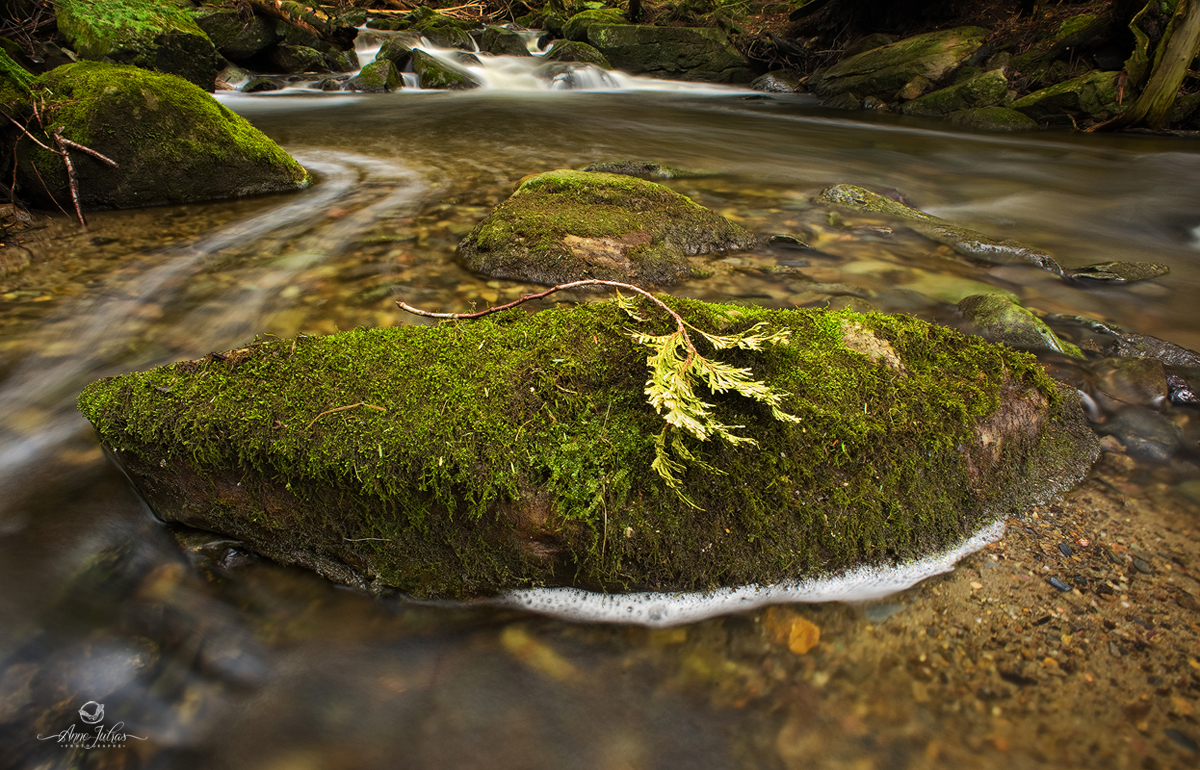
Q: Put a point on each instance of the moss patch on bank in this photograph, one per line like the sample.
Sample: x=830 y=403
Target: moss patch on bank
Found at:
x=174 y=142
x=516 y=450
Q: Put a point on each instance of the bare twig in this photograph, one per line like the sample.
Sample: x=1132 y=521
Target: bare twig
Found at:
x=72 y=180
x=76 y=145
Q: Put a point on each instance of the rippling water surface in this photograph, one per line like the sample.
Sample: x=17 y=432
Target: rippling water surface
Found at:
x=219 y=659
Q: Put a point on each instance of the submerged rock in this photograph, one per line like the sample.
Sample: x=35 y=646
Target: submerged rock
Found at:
x=677 y=53
x=643 y=169
x=145 y=33
x=999 y=319
x=1119 y=272
x=882 y=72
x=969 y=243
x=464 y=459
x=568 y=225
x=174 y=143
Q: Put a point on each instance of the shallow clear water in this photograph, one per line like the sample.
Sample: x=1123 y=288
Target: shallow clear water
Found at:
x=216 y=657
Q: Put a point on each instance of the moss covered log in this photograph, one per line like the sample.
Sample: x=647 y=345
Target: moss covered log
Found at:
x=515 y=451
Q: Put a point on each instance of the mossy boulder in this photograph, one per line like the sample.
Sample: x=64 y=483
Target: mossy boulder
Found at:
x=376 y=78
x=160 y=35
x=236 y=37
x=398 y=49
x=993 y=119
x=574 y=51
x=433 y=73
x=1093 y=96
x=568 y=225
x=499 y=41
x=987 y=89
x=883 y=71
x=15 y=81
x=295 y=59
x=676 y=53
x=999 y=319
x=967 y=242
x=576 y=27
x=174 y=142
x=515 y=451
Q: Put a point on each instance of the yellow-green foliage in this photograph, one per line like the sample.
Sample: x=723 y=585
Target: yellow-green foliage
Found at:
x=518 y=408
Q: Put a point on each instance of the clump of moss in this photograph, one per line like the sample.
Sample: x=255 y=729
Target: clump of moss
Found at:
x=568 y=225
x=516 y=450
x=174 y=143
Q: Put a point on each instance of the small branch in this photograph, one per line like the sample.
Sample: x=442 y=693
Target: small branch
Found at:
x=62 y=140
x=344 y=408
x=72 y=181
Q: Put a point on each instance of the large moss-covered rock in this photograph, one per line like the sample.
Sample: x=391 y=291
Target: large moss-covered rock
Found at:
x=882 y=72
x=573 y=51
x=237 y=37
x=155 y=34
x=174 y=143
x=992 y=119
x=295 y=59
x=969 y=243
x=1093 y=95
x=987 y=89
x=576 y=27
x=376 y=78
x=15 y=81
x=499 y=41
x=568 y=225
x=677 y=53
x=515 y=451
x=432 y=73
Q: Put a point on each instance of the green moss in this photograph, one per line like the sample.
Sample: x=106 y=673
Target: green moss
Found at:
x=15 y=82
x=883 y=71
x=1001 y=319
x=567 y=225
x=433 y=74
x=516 y=450
x=149 y=123
x=984 y=90
x=576 y=27
x=1093 y=95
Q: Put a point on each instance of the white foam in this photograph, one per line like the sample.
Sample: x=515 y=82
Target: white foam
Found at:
x=671 y=609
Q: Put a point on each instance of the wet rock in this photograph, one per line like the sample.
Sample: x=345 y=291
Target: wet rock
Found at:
x=572 y=75
x=236 y=37
x=296 y=59
x=479 y=464
x=499 y=41
x=867 y=43
x=779 y=82
x=147 y=122
x=882 y=72
x=260 y=83
x=1119 y=272
x=1181 y=391
x=986 y=90
x=230 y=78
x=432 y=73
x=398 y=49
x=915 y=88
x=574 y=51
x=999 y=319
x=992 y=119
x=643 y=169
x=377 y=77
x=677 y=53
x=1059 y=585
x=342 y=61
x=330 y=84
x=1130 y=345
x=969 y=243
x=1139 y=381
x=1093 y=96
x=576 y=28
x=1146 y=434
x=568 y=225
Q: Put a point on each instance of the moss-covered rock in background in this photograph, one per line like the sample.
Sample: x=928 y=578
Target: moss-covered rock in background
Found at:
x=499 y=41
x=882 y=72
x=987 y=89
x=376 y=78
x=992 y=119
x=999 y=319
x=154 y=34
x=295 y=59
x=573 y=51
x=576 y=27
x=236 y=37
x=174 y=143
x=1093 y=96
x=398 y=49
x=515 y=451
x=677 y=53
x=568 y=225
x=433 y=73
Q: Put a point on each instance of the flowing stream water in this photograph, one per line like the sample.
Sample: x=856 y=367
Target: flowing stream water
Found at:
x=215 y=657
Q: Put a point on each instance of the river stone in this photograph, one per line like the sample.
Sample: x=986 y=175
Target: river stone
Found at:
x=499 y=41
x=260 y=83
x=398 y=49
x=969 y=243
x=992 y=119
x=162 y=36
x=174 y=143
x=882 y=72
x=1146 y=434
x=676 y=53
x=1119 y=272
x=376 y=78
x=574 y=51
x=342 y=61
x=984 y=90
x=296 y=59
x=778 y=82
x=434 y=74
x=235 y=37
x=999 y=319
x=643 y=169
x=576 y=27
x=515 y=451
x=568 y=225
x=1138 y=381
x=1093 y=95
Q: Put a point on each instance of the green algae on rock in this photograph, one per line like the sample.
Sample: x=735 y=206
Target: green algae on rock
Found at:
x=1000 y=319
x=969 y=243
x=174 y=142
x=992 y=119
x=568 y=225
x=472 y=457
x=984 y=90
x=377 y=77
x=432 y=73
x=160 y=35
x=1094 y=96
